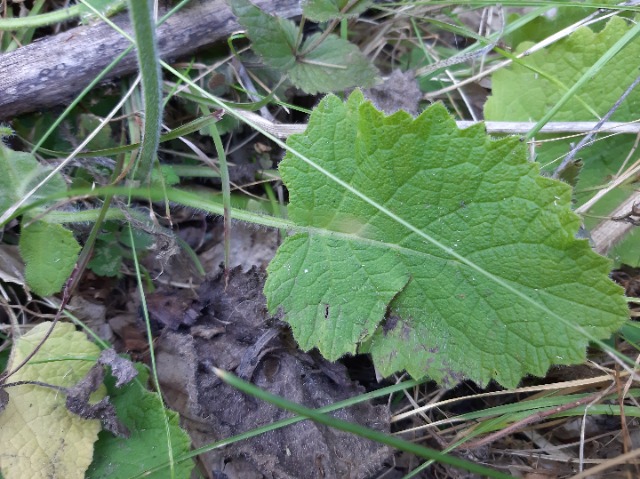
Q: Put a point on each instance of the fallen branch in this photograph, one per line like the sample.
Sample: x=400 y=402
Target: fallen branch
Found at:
x=52 y=71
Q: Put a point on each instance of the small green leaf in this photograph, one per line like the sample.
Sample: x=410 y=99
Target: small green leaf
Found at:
x=274 y=38
x=332 y=65
x=107 y=259
x=324 y=10
x=498 y=288
x=88 y=122
x=143 y=414
x=50 y=252
x=40 y=438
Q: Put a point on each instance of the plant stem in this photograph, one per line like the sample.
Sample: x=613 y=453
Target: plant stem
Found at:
x=144 y=28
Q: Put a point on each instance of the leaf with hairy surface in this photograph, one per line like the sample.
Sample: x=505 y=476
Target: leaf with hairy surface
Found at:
x=461 y=262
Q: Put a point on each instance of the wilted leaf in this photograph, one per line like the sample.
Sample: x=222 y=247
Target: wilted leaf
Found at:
x=332 y=65
x=122 y=369
x=507 y=292
x=50 y=251
x=565 y=62
x=323 y=10
x=40 y=438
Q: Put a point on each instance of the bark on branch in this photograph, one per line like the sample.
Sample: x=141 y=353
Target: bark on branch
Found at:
x=52 y=71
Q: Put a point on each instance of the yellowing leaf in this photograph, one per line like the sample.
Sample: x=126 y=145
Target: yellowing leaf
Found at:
x=40 y=438
x=485 y=279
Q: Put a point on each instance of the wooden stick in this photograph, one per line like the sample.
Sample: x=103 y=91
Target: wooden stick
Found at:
x=52 y=71
x=283 y=130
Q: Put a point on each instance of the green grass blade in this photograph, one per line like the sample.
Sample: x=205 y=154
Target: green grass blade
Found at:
x=361 y=431
x=590 y=73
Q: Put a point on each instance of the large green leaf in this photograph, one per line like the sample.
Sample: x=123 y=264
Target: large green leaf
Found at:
x=563 y=64
x=318 y=65
x=484 y=281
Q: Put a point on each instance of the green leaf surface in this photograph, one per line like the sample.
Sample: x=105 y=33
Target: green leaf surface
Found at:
x=565 y=62
x=331 y=65
x=489 y=282
x=20 y=173
x=324 y=10
x=40 y=438
x=558 y=17
x=143 y=414
x=274 y=38
x=334 y=65
x=50 y=252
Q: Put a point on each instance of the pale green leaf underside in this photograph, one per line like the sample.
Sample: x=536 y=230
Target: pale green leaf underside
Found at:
x=20 y=173
x=477 y=196
x=332 y=65
x=50 y=251
x=566 y=61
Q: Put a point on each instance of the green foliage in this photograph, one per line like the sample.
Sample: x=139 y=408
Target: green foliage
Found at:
x=564 y=63
x=114 y=245
x=40 y=437
x=316 y=65
x=144 y=415
x=88 y=122
x=324 y=10
x=50 y=251
x=105 y=7
x=558 y=17
x=487 y=282
x=20 y=173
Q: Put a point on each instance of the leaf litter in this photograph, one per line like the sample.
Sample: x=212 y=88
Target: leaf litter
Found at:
x=234 y=332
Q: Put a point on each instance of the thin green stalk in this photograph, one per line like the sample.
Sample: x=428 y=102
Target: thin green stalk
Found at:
x=187 y=128
x=42 y=20
x=152 y=356
x=24 y=36
x=357 y=429
x=95 y=82
x=144 y=27
x=519 y=3
x=226 y=191
x=87 y=249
